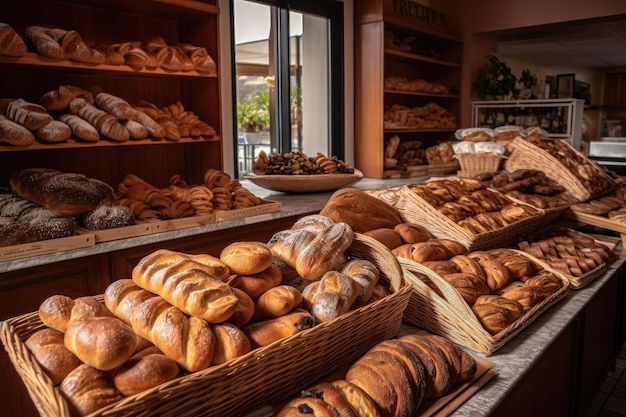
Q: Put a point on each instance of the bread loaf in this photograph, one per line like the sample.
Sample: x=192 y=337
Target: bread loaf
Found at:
x=332 y=396
x=59 y=311
x=54 y=132
x=40 y=39
x=67 y=193
x=114 y=105
x=247 y=258
x=11 y=43
x=230 y=342
x=144 y=370
x=30 y=115
x=80 y=128
x=244 y=310
x=200 y=58
x=152 y=126
x=76 y=49
x=111 y=56
x=107 y=216
x=331 y=296
x=437 y=373
x=387 y=236
x=107 y=124
x=188 y=340
x=135 y=129
x=496 y=313
x=87 y=389
x=265 y=332
x=14 y=133
x=191 y=283
x=360 y=402
x=361 y=211
x=366 y=275
x=276 y=302
x=55 y=359
x=60 y=98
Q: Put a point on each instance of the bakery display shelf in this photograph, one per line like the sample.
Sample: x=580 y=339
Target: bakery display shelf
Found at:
x=408 y=56
x=420 y=93
x=139 y=229
x=266 y=206
x=42 y=247
x=262 y=377
x=417 y=130
x=436 y=305
x=166 y=8
x=34 y=60
x=75 y=143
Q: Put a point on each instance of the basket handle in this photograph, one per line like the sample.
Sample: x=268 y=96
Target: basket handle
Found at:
x=366 y=247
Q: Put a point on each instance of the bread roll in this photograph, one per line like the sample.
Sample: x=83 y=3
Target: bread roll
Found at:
x=307 y=406
x=67 y=193
x=361 y=211
x=360 y=402
x=55 y=359
x=114 y=105
x=230 y=342
x=256 y=284
x=87 y=389
x=247 y=258
x=366 y=275
x=59 y=311
x=496 y=313
x=387 y=236
x=276 y=302
x=187 y=282
x=330 y=297
x=332 y=396
x=143 y=371
x=41 y=41
x=412 y=233
x=244 y=310
x=520 y=292
x=325 y=251
x=469 y=286
x=265 y=332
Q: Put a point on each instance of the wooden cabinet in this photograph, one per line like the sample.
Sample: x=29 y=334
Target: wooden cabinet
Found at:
x=110 y=22
x=406 y=59
x=614 y=89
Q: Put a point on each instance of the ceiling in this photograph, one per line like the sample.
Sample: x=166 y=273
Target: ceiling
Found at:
x=590 y=45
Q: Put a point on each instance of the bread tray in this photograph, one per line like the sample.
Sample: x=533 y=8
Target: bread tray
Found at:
x=265 y=207
x=139 y=229
x=446 y=313
x=42 y=247
x=305 y=183
x=265 y=376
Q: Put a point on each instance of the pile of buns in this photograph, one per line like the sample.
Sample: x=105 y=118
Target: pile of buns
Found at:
x=393 y=378
x=418 y=85
x=428 y=116
x=182 y=313
x=567 y=251
x=470 y=205
x=90 y=115
x=178 y=200
x=611 y=205
x=530 y=186
x=58 y=43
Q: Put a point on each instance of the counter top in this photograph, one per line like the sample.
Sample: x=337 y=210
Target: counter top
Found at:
x=291 y=205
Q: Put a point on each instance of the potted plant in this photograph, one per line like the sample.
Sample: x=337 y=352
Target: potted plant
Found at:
x=528 y=82
x=495 y=80
x=253 y=115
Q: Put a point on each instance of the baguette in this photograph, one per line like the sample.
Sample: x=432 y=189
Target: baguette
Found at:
x=107 y=124
x=187 y=340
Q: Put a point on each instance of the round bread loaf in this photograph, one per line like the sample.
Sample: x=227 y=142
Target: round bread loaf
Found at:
x=246 y=258
x=108 y=216
x=101 y=342
x=230 y=342
x=361 y=211
x=55 y=359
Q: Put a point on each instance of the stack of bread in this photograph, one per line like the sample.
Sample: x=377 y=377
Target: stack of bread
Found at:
x=428 y=116
x=182 y=313
x=393 y=378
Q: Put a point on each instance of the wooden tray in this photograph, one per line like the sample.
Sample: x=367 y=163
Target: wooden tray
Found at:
x=42 y=247
x=105 y=235
x=305 y=183
x=265 y=207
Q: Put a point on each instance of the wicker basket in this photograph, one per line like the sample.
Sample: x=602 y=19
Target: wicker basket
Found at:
x=260 y=378
x=473 y=164
x=437 y=306
x=414 y=209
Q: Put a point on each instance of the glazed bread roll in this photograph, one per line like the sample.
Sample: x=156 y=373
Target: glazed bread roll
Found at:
x=256 y=284
x=101 y=342
x=187 y=282
x=67 y=193
x=188 y=340
x=331 y=296
x=87 y=389
x=265 y=332
x=230 y=342
x=361 y=211
x=247 y=258
x=50 y=352
x=276 y=302
x=366 y=275
x=146 y=369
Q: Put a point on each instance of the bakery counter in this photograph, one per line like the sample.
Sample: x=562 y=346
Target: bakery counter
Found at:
x=292 y=205
x=556 y=365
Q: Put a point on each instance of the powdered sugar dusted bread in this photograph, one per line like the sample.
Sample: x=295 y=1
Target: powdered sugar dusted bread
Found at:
x=108 y=216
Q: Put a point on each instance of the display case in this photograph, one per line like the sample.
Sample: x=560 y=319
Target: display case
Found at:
x=108 y=23
x=407 y=72
x=561 y=118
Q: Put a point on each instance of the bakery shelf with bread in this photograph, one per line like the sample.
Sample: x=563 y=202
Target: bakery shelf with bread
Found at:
x=276 y=365
x=480 y=299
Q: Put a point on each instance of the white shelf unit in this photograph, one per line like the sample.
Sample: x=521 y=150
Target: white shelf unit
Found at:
x=527 y=113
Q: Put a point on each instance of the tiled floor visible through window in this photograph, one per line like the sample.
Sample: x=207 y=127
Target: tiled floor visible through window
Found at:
x=611 y=399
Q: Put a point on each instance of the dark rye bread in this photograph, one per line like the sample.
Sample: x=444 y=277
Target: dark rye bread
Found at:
x=360 y=210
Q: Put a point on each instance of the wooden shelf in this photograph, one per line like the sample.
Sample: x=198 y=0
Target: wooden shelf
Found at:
x=424 y=94
x=409 y=129
x=420 y=58
x=181 y=8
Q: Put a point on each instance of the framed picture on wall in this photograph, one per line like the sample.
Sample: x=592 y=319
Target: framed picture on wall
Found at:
x=565 y=85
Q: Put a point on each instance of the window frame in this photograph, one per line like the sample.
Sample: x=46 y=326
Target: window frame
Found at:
x=333 y=11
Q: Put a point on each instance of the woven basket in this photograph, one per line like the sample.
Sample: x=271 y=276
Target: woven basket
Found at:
x=525 y=155
x=263 y=377
x=437 y=306
x=472 y=164
x=414 y=209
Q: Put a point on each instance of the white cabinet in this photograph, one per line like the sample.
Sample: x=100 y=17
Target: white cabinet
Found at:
x=561 y=118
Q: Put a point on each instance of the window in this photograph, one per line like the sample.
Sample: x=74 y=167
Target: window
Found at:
x=288 y=81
